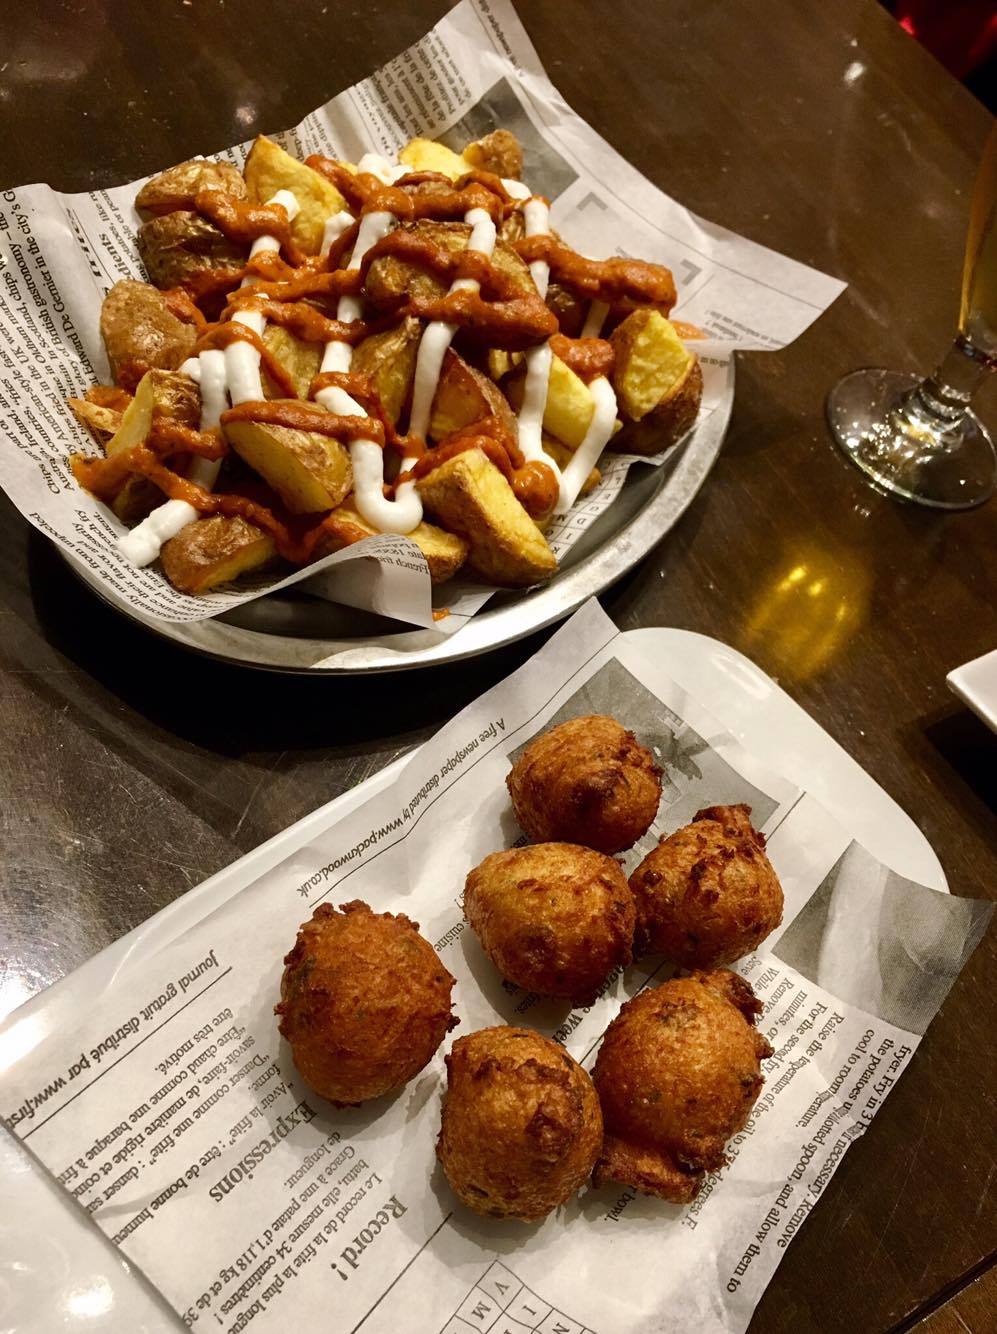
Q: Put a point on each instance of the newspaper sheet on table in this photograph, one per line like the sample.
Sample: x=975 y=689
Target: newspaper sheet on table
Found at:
x=60 y=253
x=173 y=1114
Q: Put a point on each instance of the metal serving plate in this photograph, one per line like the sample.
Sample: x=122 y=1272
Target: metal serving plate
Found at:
x=296 y=632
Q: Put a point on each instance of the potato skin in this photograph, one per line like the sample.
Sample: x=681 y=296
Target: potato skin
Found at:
x=365 y=1002
x=463 y=396
x=311 y=472
x=445 y=552
x=391 y=280
x=677 y=1075
x=469 y=496
x=388 y=360
x=141 y=332
x=666 y=424
x=554 y=918
x=521 y=1126
x=137 y=498
x=175 y=246
x=177 y=187
x=301 y=361
x=707 y=894
x=569 y=309
x=214 y=550
x=586 y=781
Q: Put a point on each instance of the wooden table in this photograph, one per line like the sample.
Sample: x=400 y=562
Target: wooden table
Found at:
x=131 y=770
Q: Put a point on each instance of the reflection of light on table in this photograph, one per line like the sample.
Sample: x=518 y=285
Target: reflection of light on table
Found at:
x=805 y=614
x=95 y=1299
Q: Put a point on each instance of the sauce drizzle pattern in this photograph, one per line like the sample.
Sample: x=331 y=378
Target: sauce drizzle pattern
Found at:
x=282 y=285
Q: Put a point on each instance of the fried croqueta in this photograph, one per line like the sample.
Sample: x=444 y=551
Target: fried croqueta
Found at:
x=707 y=894
x=677 y=1075
x=521 y=1124
x=554 y=918
x=587 y=781
x=365 y=1002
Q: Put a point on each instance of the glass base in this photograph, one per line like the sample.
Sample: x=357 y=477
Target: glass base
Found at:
x=906 y=451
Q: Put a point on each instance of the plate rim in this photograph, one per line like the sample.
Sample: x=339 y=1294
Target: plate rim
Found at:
x=599 y=571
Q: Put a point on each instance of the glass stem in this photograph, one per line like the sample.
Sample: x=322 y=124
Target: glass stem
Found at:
x=944 y=398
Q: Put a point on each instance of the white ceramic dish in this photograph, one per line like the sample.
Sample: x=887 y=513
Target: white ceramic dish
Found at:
x=58 y=1272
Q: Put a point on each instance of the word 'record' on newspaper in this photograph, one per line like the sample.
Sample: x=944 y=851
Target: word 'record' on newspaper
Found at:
x=173 y=1114
x=476 y=71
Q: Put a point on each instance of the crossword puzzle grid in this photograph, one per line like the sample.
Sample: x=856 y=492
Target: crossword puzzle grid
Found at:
x=500 y=1304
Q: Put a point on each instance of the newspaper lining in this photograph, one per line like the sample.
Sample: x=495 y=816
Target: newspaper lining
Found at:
x=173 y=1115
x=476 y=70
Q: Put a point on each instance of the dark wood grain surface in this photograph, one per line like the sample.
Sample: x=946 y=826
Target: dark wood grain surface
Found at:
x=131 y=770
x=969 y=1311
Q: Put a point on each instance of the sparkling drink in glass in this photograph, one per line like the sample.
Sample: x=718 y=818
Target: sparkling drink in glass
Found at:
x=918 y=438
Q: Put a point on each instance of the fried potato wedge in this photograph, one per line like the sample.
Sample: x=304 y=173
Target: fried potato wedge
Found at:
x=137 y=498
x=501 y=363
x=141 y=332
x=463 y=396
x=512 y=228
x=650 y=360
x=213 y=551
x=666 y=423
x=569 y=405
x=109 y=396
x=159 y=394
x=269 y=169
x=310 y=472
x=299 y=358
x=570 y=309
x=391 y=280
x=100 y=421
x=445 y=552
x=658 y=382
x=177 y=187
x=388 y=361
x=500 y=152
x=468 y=495
x=561 y=455
x=428 y=155
x=177 y=245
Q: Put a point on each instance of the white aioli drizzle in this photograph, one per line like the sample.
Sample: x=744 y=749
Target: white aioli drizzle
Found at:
x=600 y=428
x=586 y=456
x=232 y=372
x=438 y=335
x=536 y=216
x=403 y=513
x=383 y=168
x=595 y=319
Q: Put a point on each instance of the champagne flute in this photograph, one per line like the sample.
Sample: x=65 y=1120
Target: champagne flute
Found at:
x=918 y=438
